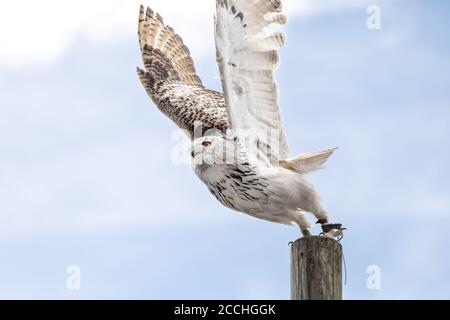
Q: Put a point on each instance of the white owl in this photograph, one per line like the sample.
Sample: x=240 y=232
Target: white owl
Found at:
x=242 y=154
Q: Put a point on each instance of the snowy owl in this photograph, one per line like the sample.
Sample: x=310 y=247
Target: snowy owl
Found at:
x=241 y=152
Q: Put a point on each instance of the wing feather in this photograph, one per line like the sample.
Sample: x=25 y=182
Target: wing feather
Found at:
x=158 y=39
x=247 y=57
x=171 y=81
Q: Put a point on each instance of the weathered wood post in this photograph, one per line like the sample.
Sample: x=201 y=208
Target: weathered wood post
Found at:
x=316 y=269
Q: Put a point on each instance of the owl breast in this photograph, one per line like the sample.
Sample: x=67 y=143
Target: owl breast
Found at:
x=237 y=187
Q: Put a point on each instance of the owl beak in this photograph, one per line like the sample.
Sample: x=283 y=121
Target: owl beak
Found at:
x=192 y=154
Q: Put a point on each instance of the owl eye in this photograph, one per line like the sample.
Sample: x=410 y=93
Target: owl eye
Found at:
x=235 y=139
x=206 y=143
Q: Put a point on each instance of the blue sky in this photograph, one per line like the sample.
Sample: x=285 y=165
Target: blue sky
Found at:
x=86 y=176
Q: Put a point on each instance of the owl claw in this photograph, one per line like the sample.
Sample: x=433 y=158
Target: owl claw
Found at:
x=333 y=231
x=326 y=227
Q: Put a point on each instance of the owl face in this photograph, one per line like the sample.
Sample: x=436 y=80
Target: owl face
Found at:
x=214 y=150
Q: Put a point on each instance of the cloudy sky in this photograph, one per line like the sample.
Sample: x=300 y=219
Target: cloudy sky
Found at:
x=86 y=177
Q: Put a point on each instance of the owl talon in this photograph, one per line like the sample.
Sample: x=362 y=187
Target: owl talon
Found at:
x=333 y=231
x=326 y=227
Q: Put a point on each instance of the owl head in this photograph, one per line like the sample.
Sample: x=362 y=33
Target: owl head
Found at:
x=216 y=150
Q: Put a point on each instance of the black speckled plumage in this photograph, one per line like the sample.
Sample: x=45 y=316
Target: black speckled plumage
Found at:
x=239 y=183
x=171 y=81
x=267 y=184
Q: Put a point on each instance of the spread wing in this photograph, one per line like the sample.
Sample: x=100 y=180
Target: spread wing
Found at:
x=171 y=81
x=247 y=57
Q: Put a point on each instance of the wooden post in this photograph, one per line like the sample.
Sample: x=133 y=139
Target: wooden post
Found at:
x=316 y=269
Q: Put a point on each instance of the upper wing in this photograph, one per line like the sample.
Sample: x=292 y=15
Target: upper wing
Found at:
x=170 y=79
x=247 y=57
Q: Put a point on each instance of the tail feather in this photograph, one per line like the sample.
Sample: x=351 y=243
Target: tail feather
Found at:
x=307 y=162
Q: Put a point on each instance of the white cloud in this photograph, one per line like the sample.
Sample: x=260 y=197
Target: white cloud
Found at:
x=39 y=31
